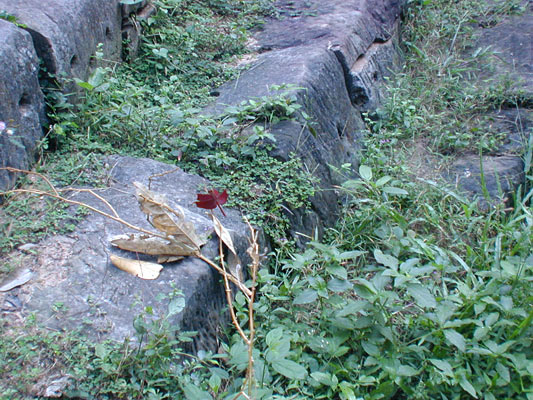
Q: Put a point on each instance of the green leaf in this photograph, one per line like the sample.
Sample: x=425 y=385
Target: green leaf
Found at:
x=406 y=370
x=365 y=172
x=350 y=255
x=176 y=306
x=455 y=338
x=503 y=371
x=386 y=259
x=442 y=365
x=422 y=295
x=383 y=180
x=339 y=286
x=324 y=378
x=289 y=369
x=364 y=288
x=467 y=386
x=395 y=191
x=193 y=392
x=305 y=297
x=338 y=271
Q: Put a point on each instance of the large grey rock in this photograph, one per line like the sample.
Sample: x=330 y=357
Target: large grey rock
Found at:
x=73 y=274
x=511 y=47
x=22 y=102
x=501 y=175
x=66 y=33
x=331 y=50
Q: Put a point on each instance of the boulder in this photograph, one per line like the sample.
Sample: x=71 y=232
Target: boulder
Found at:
x=511 y=53
x=22 y=105
x=501 y=177
x=335 y=54
x=74 y=284
x=66 y=33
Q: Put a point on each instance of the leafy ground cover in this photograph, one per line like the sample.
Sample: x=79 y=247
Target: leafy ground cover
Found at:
x=416 y=293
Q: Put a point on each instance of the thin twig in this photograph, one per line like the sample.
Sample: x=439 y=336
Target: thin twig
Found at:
x=247 y=292
x=44 y=178
x=79 y=203
x=229 y=293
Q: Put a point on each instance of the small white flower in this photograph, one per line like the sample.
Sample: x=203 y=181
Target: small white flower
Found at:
x=2 y=126
x=9 y=132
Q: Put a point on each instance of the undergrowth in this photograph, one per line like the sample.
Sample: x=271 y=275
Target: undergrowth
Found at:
x=415 y=294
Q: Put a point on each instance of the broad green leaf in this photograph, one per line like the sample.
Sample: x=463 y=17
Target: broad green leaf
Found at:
x=455 y=338
x=442 y=365
x=395 y=191
x=406 y=370
x=193 y=392
x=386 y=259
x=274 y=336
x=100 y=350
x=289 y=369
x=365 y=288
x=347 y=391
x=383 y=180
x=503 y=371
x=467 y=386
x=306 y=297
x=350 y=255
x=422 y=295
x=338 y=271
x=339 y=286
x=371 y=349
x=324 y=378
x=365 y=172
x=176 y=306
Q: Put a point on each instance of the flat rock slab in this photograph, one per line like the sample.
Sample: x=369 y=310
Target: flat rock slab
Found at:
x=74 y=285
x=22 y=102
x=334 y=54
x=66 y=33
x=511 y=46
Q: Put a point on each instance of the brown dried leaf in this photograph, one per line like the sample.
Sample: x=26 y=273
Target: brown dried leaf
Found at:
x=141 y=269
x=154 y=246
x=223 y=234
x=233 y=260
x=168 y=259
x=170 y=221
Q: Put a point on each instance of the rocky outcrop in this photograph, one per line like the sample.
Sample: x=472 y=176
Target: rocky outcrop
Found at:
x=509 y=63
x=336 y=53
x=22 y=104
x=72 y=273
x=65 y=35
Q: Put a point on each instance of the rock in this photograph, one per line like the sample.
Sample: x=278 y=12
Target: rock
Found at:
x=511 y=47
x=335 y=53
x=66 y=33
x=502 y=176
x=73 y=275
x=22 y=105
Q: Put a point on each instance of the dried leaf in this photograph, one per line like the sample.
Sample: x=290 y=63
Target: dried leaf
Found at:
x=141 y=269
x=16 y=279
x=223 y=234
x=233 y=260
x=170 y=221
x=168 y=259
x=154 y=246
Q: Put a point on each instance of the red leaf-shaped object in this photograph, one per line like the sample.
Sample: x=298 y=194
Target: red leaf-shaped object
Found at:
x=212 y=200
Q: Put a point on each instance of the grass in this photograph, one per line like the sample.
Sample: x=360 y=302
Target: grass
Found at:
x=416 y=293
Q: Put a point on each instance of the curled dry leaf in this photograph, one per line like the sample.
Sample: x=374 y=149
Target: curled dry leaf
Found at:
x=141 y=269
x=151 y=245
x=170 y=221
x=233 y=260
